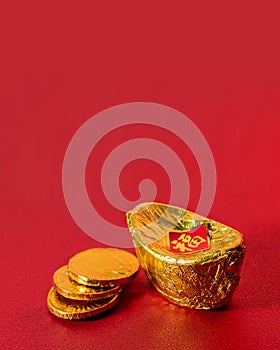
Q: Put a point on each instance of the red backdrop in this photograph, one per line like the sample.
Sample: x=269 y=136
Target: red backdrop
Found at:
x=62 y=62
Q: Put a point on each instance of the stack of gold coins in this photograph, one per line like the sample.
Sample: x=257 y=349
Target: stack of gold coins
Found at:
x=91 y=283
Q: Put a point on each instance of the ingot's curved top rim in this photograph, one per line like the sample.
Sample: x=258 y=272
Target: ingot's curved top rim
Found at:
x=70 y=289
x=224 y=238
x=103 y=267
x=74 y=309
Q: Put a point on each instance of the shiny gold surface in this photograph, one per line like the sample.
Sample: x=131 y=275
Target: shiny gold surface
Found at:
x=72 y=290
x=103 y=267
x=76 y=309
x=201 y=280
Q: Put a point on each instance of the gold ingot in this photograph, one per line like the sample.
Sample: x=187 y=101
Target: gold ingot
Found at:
x=103 y=267
x=72 y=290
x=77 y=309
x=202 y=279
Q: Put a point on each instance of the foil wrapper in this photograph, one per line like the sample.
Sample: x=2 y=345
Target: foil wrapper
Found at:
x=198 y=279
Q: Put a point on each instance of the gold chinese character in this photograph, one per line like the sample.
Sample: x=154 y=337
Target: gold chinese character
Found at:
x=180 y=245
x=191 y=242
x=196 y=241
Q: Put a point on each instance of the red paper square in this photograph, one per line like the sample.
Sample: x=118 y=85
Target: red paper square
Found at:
x=189 y=241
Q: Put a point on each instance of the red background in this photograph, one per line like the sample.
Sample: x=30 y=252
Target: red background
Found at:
x=62 y=62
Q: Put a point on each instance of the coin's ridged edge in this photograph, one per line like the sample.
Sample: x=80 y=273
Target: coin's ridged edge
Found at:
x=100 y=283
x=76 y=316
x=87 y=297
x=82 y=296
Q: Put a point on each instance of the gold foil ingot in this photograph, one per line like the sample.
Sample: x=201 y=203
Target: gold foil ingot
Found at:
x=72 y=290
x=75 y=309
x=202 y=280
x=103 y=267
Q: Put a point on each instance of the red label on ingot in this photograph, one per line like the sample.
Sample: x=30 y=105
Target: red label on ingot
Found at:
x=189 y=241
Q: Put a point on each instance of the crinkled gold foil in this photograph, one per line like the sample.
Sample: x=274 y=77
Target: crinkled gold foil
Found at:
x=201 y=280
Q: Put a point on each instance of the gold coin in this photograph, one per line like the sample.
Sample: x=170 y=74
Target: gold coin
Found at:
x=72 y=290
x=77 y=309
x=103 y=267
